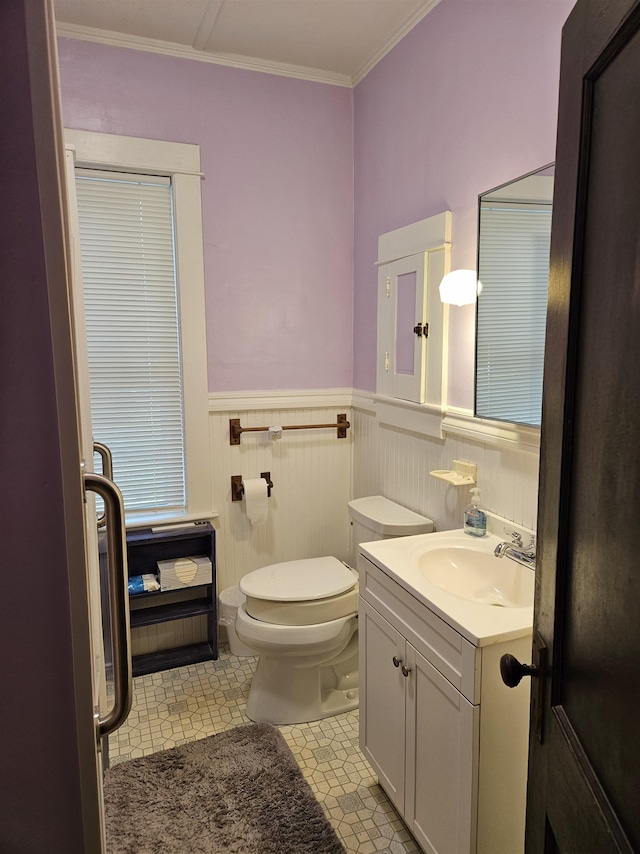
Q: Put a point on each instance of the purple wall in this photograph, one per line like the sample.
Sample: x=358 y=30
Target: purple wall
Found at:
x=277 y=154
x=466 y=101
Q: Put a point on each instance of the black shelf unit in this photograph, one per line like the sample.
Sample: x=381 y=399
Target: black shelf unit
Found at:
x=145 y=547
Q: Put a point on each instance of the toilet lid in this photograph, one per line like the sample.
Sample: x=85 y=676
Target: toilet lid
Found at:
x=299 y=580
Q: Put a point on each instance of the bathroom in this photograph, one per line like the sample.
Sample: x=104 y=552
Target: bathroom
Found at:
x=290 y=251
x=300 y=179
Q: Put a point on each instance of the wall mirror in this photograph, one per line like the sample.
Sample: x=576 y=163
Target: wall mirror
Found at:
x=514 y=234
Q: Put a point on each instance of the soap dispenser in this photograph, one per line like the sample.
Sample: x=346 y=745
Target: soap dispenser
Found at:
x=475 y=519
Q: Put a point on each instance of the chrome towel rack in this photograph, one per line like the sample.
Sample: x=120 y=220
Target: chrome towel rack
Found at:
x=236 y=429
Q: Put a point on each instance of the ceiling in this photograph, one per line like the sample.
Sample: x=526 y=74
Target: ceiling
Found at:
x=332 y=41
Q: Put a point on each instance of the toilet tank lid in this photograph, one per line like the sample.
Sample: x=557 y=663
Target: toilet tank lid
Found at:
x=299 y=580
x=386 y=517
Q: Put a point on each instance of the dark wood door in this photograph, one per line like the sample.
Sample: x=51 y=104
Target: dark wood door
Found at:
x=584 y=778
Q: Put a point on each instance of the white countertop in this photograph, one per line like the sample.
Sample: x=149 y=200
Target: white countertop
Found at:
x=481 y=624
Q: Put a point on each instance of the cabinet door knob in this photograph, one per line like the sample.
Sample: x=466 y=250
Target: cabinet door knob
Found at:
x=512 y=670
x=405 y=670
x=396 y=661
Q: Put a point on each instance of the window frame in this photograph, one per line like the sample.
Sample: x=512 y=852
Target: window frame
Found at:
x=181 y=163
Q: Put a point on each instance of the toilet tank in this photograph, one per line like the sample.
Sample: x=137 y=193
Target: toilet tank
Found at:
x=378 y=518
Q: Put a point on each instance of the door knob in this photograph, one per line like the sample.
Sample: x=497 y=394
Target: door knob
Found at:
x=396 y=661
x=512 y=670
x=405 y=670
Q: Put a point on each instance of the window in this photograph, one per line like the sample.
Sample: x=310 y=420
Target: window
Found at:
x=141 y=247
x=131 y=314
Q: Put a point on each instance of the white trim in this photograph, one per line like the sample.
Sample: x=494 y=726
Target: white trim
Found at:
x=462 y=422
x=182 y=162
x=248 y=401
x=247 y=63
x=422 y=418
x=193 y=340
x=146 y=520
x=422 y=236
x=131 y=153
x=365 y=400
x=393 y=41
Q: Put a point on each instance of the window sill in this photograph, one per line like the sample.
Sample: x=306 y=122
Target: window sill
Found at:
x=151 y=520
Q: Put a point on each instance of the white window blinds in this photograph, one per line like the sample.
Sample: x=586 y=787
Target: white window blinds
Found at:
x=514 y=272
x=129 y=276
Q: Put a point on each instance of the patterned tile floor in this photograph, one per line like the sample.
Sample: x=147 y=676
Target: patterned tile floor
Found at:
x=188 y=703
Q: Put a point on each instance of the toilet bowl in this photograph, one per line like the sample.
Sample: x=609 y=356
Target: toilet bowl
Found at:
x=308 y=647
x=300 y=618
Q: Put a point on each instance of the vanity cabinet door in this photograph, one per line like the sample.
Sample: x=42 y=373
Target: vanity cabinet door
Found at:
x=382 y=701
x=442 y=732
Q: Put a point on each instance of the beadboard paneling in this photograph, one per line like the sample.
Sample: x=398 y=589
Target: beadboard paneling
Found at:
x=315 y=474
x=396 y=463
x=311 y=474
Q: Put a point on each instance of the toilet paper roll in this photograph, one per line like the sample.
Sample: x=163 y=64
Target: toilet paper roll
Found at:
x=256 y=500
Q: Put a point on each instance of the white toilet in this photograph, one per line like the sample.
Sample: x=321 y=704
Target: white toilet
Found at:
x=300 y=618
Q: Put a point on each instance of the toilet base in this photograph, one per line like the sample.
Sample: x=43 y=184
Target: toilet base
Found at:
x=282 y=693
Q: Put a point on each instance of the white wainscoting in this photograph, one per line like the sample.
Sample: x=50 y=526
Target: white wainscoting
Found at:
x=310 y=471
x=315 y=474
x=397 y=462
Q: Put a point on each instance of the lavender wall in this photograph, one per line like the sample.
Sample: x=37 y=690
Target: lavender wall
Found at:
x=277 y=202
x=466 y=101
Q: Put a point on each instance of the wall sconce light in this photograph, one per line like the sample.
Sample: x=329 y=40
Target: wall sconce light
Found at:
x=460 y=287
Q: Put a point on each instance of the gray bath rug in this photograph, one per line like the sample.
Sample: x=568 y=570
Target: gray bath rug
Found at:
x=240 y=792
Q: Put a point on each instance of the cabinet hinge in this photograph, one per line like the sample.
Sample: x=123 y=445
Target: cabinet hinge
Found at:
x=388 y=286
x=386 y=362
x=421 y=329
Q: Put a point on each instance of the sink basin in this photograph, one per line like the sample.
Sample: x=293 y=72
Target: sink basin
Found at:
x=478 y=576
x=487 y=599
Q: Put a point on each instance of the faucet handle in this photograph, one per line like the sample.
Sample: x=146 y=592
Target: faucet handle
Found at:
x=516 y=538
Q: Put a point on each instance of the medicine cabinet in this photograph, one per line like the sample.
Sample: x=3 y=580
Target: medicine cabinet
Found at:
x=411 y=319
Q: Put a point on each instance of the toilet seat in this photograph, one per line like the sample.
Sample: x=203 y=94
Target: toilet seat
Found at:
x=300 y=639
x=301 y=592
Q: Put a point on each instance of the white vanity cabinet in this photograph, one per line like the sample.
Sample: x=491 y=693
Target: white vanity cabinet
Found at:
x=447 y=739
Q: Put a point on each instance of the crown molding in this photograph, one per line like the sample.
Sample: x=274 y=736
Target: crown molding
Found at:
x=393 y=41
x=91 y=34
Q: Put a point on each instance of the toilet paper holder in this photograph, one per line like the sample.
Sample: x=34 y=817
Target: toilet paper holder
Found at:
x=237 y=487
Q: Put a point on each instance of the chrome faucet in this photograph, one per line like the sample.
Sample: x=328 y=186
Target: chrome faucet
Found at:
x=516 y=551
